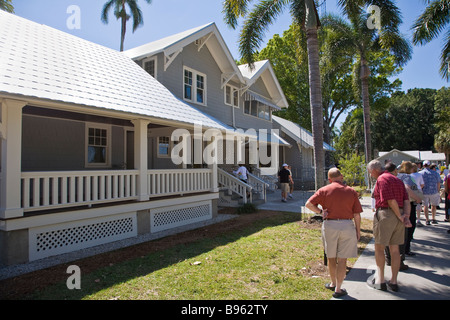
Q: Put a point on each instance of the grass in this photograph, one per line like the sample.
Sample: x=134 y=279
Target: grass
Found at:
x=280 y=257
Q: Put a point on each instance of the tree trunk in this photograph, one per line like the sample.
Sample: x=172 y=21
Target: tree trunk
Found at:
x=365 y=73
x=315 y=96
x=124 y=25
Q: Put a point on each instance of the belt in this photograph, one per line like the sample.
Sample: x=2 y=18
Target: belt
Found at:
x=386 y=208
x=338 y=219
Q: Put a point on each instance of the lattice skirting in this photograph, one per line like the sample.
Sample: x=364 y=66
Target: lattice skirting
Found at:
x=67 y=237
x=177 y=216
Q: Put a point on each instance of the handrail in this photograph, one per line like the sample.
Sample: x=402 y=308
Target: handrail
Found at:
x=235 y=185
x=259 y=184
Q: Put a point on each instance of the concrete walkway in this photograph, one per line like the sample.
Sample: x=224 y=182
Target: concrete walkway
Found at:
x=428 y=276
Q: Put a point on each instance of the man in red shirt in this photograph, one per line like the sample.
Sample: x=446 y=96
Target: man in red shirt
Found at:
x=391 y=200
x=340 y=235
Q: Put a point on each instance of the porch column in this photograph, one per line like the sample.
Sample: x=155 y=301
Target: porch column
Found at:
x=141 y=156
x=11 y=135
x=214 y=178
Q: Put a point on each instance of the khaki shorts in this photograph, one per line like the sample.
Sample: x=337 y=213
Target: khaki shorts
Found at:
x=433 y=199
x=339 y=239
x=387 y=228
x=285 y=187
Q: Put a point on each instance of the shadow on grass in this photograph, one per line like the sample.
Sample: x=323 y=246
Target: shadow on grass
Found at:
x=106 y=270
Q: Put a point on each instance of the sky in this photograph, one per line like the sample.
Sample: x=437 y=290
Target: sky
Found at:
x=166 y=17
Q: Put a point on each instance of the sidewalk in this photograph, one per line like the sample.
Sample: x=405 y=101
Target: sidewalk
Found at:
x=428 y=276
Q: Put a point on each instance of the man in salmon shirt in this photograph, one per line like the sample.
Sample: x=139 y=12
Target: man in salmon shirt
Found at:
x=340 y=235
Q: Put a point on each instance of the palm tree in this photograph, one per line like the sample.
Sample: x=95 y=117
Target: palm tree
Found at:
x=364 y=39
x=6 y=5
x=304 y=13
x=429 y=25
x=121 y=13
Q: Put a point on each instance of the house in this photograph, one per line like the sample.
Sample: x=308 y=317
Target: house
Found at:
x=198 y=68
x=240 y=96
x=301 y=155
x=99 y=146
x=84 y=149
x=397 y=156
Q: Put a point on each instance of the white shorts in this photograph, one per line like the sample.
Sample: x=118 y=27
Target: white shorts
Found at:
x=433 y=199
x=339 y=239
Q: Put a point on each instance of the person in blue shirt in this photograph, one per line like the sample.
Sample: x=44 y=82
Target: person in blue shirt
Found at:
x=432 y=184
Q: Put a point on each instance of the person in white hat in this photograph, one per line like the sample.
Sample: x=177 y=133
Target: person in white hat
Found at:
x=284 y=176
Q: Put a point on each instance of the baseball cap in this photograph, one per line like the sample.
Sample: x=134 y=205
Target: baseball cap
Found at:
x=426 y=163
x=285 y=165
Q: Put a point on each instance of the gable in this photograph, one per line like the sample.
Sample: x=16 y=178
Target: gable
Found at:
x=204 y=36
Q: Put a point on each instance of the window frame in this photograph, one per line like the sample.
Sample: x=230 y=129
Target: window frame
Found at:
x=259 y=105
x=155 y=59
x=169 y=147
x=233 y=90
x=195 y=87
x=107 y=163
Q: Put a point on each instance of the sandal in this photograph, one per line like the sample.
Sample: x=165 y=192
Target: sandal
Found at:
x=330 y=287
x=340 y=294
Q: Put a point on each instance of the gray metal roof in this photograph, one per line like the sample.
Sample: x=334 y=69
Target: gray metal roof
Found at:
x=300 y=134
x=37 y=61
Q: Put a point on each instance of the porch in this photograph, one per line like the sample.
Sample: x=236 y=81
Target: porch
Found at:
x=115 y=181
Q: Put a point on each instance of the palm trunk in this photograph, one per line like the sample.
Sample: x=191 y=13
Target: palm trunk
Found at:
x=365 y=73
x=315 y=96
x=122 y=36
x=124 y=26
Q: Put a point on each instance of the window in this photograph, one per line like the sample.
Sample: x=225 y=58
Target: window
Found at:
x=163 y=146
x=97 y=146
x=149 y=65
x=194 y=86
x=232 y=96
x=257 y=109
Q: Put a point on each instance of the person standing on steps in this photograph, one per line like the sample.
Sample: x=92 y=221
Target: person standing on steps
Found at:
x=340 y=234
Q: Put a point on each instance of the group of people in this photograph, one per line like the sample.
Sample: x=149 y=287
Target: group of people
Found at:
x=398 y=195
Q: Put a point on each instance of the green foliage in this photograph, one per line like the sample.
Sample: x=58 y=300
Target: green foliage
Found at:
x=353 y=169
x=7 y=6
x=408 y=123
x=442 y=120
x=429 y=25
x=351 y=138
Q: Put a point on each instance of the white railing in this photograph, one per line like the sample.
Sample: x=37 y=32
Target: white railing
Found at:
x=51 y=190
x=235 y=185
x=258 y=185
x=178 y=181
x=48 y=190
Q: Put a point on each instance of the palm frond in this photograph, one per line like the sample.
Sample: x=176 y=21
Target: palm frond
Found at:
x=445 y=58
x=233 y=10
x=105 y=10
x=432 y=21
x=136 y=13
x=255 y=26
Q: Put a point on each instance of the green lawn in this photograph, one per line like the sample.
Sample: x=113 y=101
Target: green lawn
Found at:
x=278 y=257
